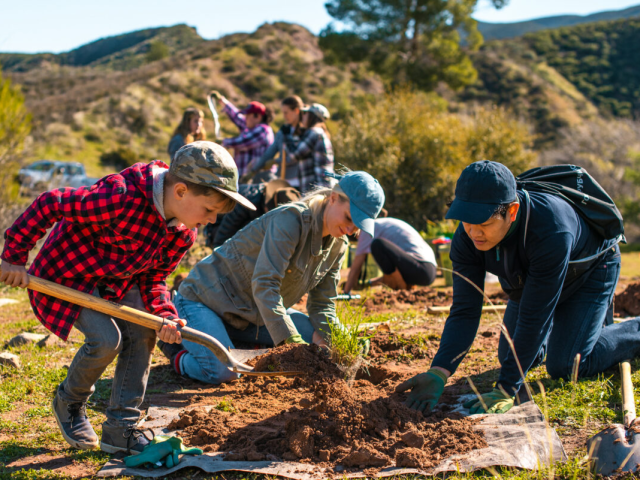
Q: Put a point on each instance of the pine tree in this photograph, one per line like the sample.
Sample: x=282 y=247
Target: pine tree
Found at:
x=420 y=42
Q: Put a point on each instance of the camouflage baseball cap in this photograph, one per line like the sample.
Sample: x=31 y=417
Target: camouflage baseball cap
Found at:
x=211 y=165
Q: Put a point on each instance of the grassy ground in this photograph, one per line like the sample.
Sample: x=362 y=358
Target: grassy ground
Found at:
x=28 y=430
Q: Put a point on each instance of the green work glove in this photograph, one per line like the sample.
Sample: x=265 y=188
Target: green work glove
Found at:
x=164 y=449
x=295 y=339
x=426 y=389
x=495 y=401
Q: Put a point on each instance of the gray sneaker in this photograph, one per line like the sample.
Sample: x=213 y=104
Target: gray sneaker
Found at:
x=130 y=440
x=74 y=424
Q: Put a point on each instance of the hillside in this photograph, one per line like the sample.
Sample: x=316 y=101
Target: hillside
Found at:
x=111 y=98
x=84 y=110
x=494 y=31
x=120 y=52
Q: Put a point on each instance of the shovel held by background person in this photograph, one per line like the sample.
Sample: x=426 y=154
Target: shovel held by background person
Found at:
x=214 y=113
x=148 y=320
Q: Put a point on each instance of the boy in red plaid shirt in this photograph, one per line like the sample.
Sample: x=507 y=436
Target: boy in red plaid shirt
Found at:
x=118 y=239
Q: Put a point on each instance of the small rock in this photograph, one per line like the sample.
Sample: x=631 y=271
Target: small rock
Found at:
x=366 y=457
x=324 y=455
x=305 y=402
x=49 y=341
x=10 y=360
x=412 y=439
x=412 y=458
x=7 y=301
x=487 y=334
x=338 y=468
x=25 y=338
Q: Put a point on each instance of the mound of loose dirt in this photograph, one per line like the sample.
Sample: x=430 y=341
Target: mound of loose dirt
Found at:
x=306 y=358
x=319 y=419
x=628 y=302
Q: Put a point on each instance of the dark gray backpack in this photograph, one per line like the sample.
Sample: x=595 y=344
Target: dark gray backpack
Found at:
x=581 y=191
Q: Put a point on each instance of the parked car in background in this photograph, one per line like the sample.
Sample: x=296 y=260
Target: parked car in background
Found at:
x=49 y=174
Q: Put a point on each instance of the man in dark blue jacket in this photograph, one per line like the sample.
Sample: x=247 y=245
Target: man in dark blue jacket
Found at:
x=560 y=276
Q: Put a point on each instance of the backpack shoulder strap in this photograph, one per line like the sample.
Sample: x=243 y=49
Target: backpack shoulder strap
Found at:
x=527 y=200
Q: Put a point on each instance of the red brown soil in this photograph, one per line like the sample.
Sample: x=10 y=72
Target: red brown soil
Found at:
x=419 y=298
x=321 y=420
x=402 y=348
x=627 y=303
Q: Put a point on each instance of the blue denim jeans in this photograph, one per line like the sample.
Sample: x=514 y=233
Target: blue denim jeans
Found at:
x=106 y=338
x=199 y=363
x=581 y=325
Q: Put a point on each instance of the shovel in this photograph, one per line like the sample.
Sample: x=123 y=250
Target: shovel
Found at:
x=617 y=448
x=152 y=321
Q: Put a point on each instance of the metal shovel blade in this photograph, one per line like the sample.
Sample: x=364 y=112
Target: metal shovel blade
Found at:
x=613 y=450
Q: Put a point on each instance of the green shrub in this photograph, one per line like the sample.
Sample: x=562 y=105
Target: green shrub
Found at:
x=416 y=149
x=157 y=51
x=119 y=159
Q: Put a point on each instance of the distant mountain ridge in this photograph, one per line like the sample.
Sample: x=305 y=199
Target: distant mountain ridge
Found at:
x=491 y=31
x=117 y=52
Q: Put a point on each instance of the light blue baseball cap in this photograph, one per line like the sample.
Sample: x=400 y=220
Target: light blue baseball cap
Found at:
x=366 y=198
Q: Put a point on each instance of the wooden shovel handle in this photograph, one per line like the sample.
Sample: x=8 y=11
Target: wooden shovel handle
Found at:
x=628 y=402
x=132 y=315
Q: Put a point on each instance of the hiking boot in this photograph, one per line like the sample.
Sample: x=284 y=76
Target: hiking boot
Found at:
x=173 y=351
x=130 y=440
x=74 y=424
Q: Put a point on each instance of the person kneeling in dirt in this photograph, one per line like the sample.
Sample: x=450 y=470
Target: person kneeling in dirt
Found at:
x=403 y=256
x=244 y=289
x=265 y=196
x=118 y=240
x=557 y=308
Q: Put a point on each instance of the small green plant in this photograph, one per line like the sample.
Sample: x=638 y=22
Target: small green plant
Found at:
x=225 y=406
x=348 y=343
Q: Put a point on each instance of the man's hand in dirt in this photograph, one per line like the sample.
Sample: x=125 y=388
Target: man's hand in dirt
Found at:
x=14 y=275
x=426 y=389
x=169 y=333
x=496 y=401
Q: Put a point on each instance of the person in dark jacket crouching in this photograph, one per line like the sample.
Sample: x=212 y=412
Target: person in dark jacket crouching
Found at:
x=560 y=275
x=265 y=196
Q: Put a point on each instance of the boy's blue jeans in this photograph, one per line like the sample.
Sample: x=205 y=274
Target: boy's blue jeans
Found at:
x=106 y=338
x=579 y=327
x=199 y=363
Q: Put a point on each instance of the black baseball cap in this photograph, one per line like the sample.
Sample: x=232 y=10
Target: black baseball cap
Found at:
x=481 y=188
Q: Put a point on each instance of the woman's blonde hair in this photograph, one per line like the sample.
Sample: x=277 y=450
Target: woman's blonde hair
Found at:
x=318 y=198
x=184 y=128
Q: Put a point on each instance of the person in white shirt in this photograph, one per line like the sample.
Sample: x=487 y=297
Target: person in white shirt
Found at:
x=403 y=256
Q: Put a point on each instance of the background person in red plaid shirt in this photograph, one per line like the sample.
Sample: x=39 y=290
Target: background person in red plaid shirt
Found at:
x=255 y=133
x=118 y=239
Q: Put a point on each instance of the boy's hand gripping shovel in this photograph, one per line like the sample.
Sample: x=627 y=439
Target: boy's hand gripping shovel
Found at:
x=152 y=321
x=617 y=448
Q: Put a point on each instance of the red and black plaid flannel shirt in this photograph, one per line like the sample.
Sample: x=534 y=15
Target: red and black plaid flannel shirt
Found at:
x=109 y=234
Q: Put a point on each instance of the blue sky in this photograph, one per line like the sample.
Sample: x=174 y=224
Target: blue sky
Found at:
x=45 y=25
